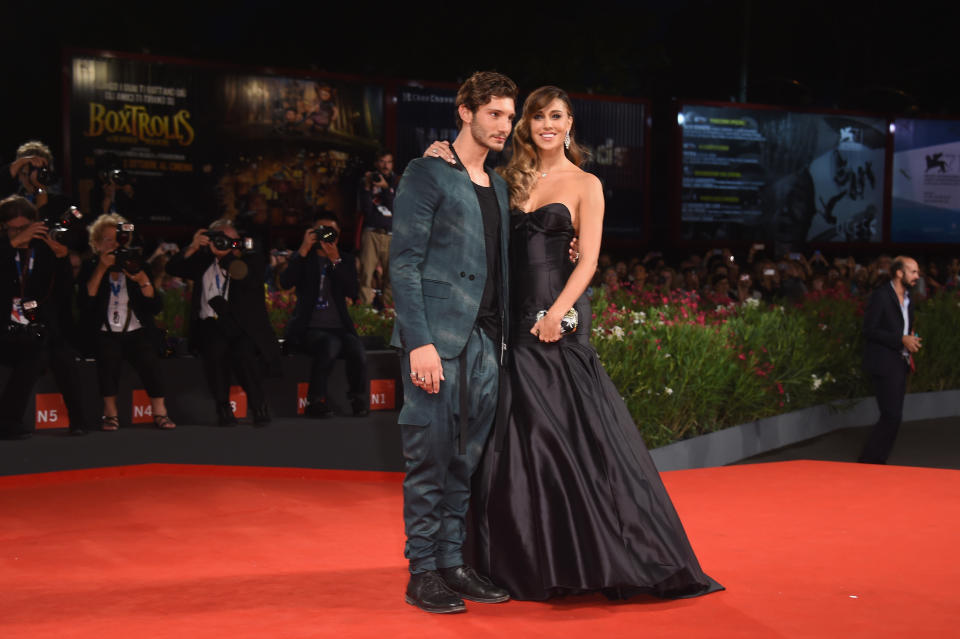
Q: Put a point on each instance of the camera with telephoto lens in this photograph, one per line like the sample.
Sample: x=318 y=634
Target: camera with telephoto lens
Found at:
x=326 y=234
x=129 y=258
x=223 y=242
x=60 y=226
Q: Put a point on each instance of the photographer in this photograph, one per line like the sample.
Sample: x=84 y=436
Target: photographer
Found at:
x=376 y=204
x=117 y=305
x=33 y=278
x=321 y=326
x=229 y=326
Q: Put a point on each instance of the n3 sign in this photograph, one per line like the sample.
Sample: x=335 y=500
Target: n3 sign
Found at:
x=51 y=411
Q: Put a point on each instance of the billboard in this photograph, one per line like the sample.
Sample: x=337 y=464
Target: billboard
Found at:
x=787 y=178
x=925 y=206
x=174 y=142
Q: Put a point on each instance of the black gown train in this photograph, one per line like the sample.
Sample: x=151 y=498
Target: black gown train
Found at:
x=571 y=502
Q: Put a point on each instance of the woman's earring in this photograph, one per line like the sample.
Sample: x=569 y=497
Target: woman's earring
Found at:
x=566 y=141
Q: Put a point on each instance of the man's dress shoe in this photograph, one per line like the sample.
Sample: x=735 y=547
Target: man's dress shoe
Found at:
x=470 y=585
x=427 y=591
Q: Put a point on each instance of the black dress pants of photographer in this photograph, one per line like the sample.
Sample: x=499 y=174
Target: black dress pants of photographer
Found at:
x=324 y=346
x=890 y=388
x=224 y=349
x=24 y=354
x=137 y=348
x=66 y=372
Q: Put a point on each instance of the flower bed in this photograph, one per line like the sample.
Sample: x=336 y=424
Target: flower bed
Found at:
x=687 y=366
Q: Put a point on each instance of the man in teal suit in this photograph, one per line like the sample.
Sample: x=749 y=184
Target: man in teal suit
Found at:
x=448 y=266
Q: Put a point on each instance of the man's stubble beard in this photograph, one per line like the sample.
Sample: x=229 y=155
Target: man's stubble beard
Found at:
x=482 y=137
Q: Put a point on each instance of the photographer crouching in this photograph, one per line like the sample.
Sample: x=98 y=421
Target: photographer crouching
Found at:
x=33 y=278
x=117 y=305
x=321 y=327
x=229 y=326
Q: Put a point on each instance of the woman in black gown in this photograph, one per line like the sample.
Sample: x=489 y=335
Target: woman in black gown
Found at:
x=568 y=499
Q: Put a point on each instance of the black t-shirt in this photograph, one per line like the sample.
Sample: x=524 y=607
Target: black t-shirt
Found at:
x=489 y=316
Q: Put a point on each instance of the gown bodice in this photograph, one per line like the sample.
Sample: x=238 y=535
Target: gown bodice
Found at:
x=540 y=266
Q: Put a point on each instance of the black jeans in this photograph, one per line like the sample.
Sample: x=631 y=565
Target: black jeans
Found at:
x=324 y=346
x=25 y=355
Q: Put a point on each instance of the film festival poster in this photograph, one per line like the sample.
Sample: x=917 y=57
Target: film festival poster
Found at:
x=926 y=181
x=781 y=177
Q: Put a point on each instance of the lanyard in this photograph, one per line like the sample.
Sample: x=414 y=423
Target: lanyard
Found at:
x=20 y=274
x=115 y=290
x=222 y=290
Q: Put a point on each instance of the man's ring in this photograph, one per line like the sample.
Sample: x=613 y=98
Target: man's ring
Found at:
x=576 y=255
x=436 y=153
x=422 y=379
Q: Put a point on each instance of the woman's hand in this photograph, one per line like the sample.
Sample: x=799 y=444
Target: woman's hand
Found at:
x=440 y=149
x=548 y=328
x=107 y=260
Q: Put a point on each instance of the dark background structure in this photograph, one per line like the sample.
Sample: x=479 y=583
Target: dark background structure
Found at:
x=848 y=55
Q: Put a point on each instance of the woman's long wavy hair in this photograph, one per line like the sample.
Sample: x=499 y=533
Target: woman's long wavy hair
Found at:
x=524 y=165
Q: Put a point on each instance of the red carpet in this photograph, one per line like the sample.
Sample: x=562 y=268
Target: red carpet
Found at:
x=805 y=549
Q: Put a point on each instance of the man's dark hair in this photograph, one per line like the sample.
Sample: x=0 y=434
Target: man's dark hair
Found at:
x=480 y=88
x=898 y=264
x=381 y=153
x=17 y=206
x=321 y=213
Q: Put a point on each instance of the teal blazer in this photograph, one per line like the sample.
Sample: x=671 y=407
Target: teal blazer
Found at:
x=438 y=263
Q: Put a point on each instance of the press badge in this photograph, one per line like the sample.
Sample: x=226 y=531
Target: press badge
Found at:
x=16 y=313
x=384 y=211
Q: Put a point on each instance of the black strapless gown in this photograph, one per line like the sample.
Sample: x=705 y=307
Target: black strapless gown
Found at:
x=572 y=501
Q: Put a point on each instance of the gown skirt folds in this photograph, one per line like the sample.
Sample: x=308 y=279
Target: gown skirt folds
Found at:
x=567 y=499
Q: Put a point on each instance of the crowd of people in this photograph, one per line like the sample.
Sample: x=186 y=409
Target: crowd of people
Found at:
x=82 y=287
x=92 y=294
x=727 y=276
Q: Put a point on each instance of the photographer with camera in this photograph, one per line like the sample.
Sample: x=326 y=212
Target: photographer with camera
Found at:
x=375 y=201
x=321 y=326
x=117 y=305
x=229 y=326
x=35 y=277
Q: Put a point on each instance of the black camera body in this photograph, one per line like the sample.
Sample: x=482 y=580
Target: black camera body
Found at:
x=34 y=328
x=128 y=258
x=326 y=234
x=223 y=242
x=115 y=176
x=60 y=227
x=42 y=175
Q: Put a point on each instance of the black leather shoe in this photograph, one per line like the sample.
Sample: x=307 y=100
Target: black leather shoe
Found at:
x=318 y=409
x=427 y=591
x=225 y=416
x=261 y=415
x=77 y=431
x=470 y=585
x=360 y=406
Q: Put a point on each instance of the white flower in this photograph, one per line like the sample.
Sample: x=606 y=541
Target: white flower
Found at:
x=617 y=332
x=815 y=381
x=667 y=390
x=781 y=308
x=822 y=327
x=666 y=356
x=638 y=317
x=752 y=302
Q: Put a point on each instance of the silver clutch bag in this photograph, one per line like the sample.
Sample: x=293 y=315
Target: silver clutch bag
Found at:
x=569 y=322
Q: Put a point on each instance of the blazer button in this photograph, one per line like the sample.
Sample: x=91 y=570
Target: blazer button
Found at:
x=471 y=277
x=462 y=274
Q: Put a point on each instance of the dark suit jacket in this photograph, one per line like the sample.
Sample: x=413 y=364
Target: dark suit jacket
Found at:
x=304 y=274
x=883 y=331
x=438 y=261
x=47 y=283
x=246 y=303
x=93 y=310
